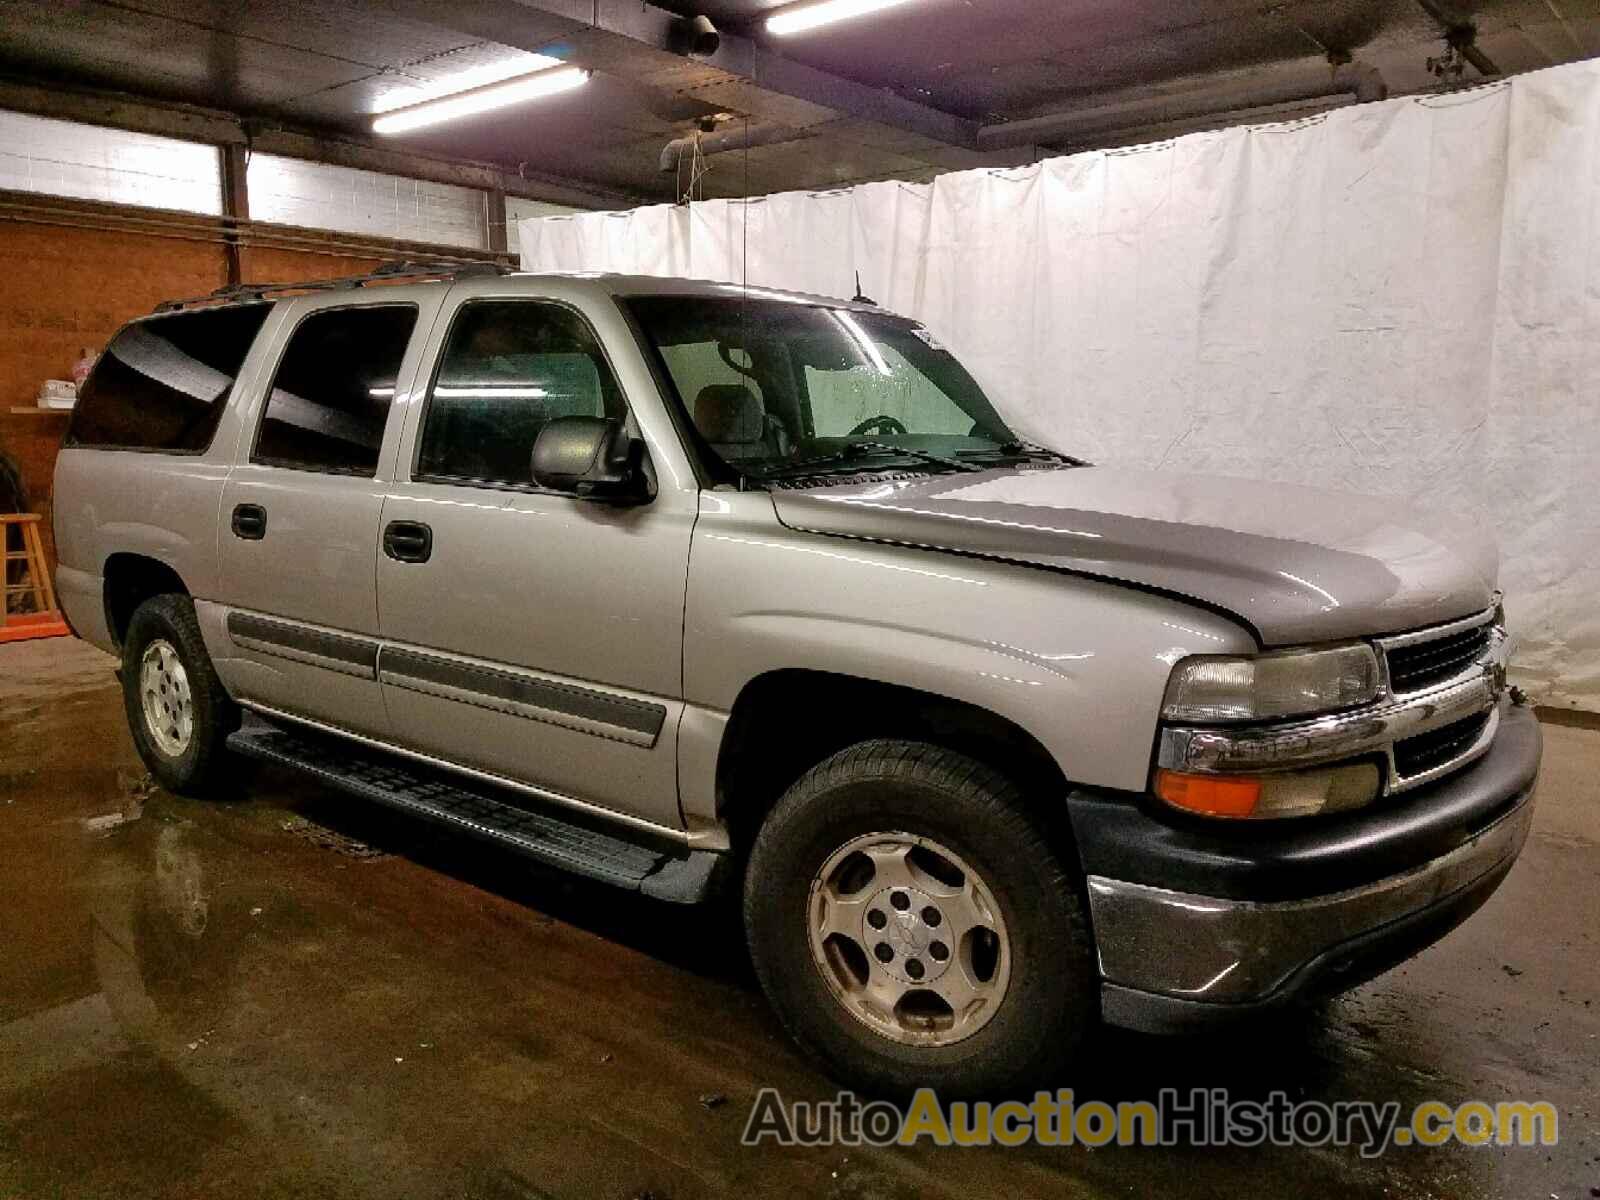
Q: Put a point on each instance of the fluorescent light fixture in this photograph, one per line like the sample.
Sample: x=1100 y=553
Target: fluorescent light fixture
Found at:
x=483 y=99
x=484 y=391
x=804 y=17
x=415 y=91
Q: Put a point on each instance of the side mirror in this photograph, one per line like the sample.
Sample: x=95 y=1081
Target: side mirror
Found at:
x=590 y=457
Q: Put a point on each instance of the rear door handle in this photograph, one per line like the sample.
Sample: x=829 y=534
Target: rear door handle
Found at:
x=249 y=522
x=408 y=541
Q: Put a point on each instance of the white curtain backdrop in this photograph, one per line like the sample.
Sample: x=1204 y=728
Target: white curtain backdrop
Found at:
x=1398 y=298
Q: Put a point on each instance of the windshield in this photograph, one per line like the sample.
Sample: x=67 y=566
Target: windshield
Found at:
x=777 y=388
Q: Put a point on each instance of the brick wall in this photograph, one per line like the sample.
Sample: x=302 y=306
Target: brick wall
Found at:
x=64 y=288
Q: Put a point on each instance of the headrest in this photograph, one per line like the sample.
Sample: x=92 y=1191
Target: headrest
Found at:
x=729 y=414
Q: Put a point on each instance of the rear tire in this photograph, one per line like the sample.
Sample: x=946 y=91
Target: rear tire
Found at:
x=178 y=712
x=904 y=845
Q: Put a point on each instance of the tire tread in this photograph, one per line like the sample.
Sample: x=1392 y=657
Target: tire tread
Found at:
x=215 y=713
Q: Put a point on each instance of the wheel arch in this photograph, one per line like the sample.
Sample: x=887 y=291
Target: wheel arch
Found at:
x=787 y=720
x=129 y=580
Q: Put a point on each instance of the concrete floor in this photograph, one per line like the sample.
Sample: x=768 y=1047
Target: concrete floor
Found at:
x=291 y=994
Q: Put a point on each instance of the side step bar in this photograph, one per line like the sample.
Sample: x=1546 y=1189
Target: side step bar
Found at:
x=478 y=809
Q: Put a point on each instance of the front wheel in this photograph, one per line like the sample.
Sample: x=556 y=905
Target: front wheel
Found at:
x=913 y=926
x=178 y=713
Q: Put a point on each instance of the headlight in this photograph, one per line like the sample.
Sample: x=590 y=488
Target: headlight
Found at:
x=1265 y=686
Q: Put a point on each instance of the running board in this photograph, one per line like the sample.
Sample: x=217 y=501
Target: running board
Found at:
x=476 y=809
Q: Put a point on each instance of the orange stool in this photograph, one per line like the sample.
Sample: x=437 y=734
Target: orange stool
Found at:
x=45 y=618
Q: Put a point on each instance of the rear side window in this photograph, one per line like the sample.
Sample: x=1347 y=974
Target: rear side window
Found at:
x=330 y=398
x=162 y=384
x=508 y=368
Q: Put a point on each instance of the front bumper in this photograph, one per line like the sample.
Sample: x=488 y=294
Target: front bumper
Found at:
x=1194 y=926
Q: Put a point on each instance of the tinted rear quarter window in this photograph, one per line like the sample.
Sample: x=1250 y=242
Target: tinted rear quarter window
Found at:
x=162 y=383
x=330 y=398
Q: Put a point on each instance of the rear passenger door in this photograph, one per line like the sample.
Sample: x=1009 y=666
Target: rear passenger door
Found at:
x=531 y=634
x=299 y=520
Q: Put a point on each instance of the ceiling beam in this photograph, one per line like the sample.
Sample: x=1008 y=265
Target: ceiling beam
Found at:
x=1153 y=108
x=639 y=42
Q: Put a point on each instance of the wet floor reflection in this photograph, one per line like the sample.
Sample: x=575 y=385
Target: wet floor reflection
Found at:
x=292 y=993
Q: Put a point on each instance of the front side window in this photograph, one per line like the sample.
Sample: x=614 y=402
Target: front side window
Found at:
x=776 y=387
x=162 y=383
x=510 y=367
x=330 y=399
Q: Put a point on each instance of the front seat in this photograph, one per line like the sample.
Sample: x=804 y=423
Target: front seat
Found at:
x=738 y=426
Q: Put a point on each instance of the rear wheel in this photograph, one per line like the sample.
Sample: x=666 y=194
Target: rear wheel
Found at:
x=914 y=927
x=177 y=710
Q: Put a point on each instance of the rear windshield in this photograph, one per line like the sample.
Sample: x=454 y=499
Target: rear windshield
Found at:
x=163 y=382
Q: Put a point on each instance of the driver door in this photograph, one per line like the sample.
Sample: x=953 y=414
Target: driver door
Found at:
x=528 y=633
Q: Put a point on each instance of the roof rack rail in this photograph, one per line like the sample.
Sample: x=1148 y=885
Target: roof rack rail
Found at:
x=387 y=272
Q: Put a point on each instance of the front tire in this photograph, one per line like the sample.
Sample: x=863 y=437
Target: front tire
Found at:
x=178 y=712
x=913 y=926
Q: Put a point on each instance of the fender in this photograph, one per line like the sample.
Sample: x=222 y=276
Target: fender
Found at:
x=1079 y=664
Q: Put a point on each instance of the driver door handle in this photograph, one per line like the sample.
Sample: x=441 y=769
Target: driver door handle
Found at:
x=408 y=541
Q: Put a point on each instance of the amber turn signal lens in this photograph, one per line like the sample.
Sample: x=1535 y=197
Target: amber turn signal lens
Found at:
x=1209 y=795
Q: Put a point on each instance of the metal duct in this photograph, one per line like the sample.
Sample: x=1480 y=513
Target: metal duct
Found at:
x=1357 y=79
x=734 y=137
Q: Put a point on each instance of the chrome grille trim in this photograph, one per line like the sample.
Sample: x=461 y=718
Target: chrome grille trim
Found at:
x=1359 y=733
x=1322 y=739
x=1478 y=748
x=1434 y=632
x=1422 y=638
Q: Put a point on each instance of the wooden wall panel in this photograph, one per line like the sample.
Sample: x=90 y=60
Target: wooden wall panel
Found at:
x=63 y=288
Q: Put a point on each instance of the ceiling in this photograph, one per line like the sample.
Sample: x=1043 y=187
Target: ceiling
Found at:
x=899 y=94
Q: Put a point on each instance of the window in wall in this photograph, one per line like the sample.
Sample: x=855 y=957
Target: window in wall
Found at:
x=64 y=158
x=509 y=367
x=162 y=383
x=292 y=191
x=330 y=399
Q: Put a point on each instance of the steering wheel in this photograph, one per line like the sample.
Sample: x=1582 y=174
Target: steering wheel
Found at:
x=882 y=423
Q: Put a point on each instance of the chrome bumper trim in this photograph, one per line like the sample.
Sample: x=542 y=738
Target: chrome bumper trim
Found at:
x=1237 y=951
x=1356 y=734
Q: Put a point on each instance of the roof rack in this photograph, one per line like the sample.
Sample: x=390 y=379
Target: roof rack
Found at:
x=388 y=272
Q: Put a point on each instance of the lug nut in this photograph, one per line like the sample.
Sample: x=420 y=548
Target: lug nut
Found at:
x=939 y=951
x=931 y=916
x=876 y=919
x=883 y=952
x=914 y=968
x=900 y=900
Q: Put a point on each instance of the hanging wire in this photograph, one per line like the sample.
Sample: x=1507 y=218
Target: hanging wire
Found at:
x=745 y=188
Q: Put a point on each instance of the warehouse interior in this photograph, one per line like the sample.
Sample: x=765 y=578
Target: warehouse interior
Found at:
x=1348 y=244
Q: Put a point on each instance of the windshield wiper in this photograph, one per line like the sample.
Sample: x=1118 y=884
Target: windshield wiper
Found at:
x=862 y=450
x=1021 y=449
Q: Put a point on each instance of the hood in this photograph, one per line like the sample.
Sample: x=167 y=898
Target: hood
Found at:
x=1297 y=564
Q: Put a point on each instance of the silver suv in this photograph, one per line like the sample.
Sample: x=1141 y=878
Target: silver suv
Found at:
x=685 y=586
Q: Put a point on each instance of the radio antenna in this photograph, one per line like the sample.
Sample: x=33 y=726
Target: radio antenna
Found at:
x=745 y=188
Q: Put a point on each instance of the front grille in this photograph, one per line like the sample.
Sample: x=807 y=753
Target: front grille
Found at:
x=1416 y=755
x=1412 y=668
